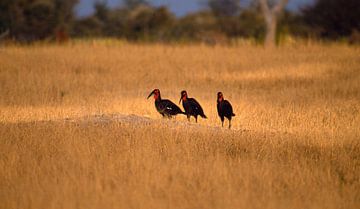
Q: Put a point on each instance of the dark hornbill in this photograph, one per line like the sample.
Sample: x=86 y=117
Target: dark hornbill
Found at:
x=224 y=109
x=191 y=106
x=164 y=106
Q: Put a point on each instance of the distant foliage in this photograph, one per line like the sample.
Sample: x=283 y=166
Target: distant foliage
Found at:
x=132 y=4
x=30 y=20
x=193 y=26
x=148 y=23
x=225 y=7
x=333 y=18
x=138 y=20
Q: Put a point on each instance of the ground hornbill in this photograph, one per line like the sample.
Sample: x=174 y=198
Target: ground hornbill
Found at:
x=191 y=106
x=164 y=106
x=224 y=109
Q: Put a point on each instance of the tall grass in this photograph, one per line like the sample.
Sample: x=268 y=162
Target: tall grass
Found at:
x=295 y=141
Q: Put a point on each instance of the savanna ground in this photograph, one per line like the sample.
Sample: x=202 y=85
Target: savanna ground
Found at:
x=76 y=129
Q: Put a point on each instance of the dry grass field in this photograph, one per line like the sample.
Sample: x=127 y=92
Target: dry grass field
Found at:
x=76 y=129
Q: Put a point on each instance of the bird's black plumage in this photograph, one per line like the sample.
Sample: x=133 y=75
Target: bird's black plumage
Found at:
x=164 y=106
x=224 y=109
x=191 y=106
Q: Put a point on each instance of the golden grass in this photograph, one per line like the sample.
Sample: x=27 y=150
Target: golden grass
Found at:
x=295 y=141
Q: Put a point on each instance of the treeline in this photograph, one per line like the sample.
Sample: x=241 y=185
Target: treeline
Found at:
x=137 y=20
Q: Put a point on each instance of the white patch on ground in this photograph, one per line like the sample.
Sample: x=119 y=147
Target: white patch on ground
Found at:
x=140 y=121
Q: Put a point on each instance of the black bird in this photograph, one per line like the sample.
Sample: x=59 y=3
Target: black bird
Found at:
x=164 y=106
x=191 y=106
x=224 y=109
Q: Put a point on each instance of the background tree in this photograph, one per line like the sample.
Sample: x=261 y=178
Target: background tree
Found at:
x=192 y=27
x=251 y=24
x=5 y=15
x=132 y=4
x=148 y=23
x=29 y=20
x=101 y=11
x=63 y=19
x=271 y=11
x=224 y=7
x=226 y=13
x=333 y=18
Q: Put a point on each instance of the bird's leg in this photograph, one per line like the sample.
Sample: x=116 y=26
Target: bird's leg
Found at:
x=229 y=124
x=222 y=123
x=196 y=119
x=188 y=117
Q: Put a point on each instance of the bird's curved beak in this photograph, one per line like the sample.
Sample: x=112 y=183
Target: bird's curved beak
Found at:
x=150 y=94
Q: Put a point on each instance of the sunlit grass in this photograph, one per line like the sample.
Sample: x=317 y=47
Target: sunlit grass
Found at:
x=294 y=143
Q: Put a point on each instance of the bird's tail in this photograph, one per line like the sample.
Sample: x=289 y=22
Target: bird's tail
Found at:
x=233 y=114
x=203 y=115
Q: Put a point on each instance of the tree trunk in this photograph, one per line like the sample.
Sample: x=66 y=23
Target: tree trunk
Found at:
x=270 y=37
x=271 y=15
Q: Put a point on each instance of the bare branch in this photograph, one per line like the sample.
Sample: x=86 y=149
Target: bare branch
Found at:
x=275 y=9
x=279 y=6
x=264 y=6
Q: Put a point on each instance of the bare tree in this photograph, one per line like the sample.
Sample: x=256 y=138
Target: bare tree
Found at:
x=271 y=11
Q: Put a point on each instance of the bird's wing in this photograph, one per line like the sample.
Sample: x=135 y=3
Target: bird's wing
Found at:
x=228 y=106
x=195 y=103
x=197 y=107
x=170 y=106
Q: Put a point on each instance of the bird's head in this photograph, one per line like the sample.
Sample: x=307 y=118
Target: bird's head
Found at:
x=220 y=97
x=183 y=96
x=156 y=93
